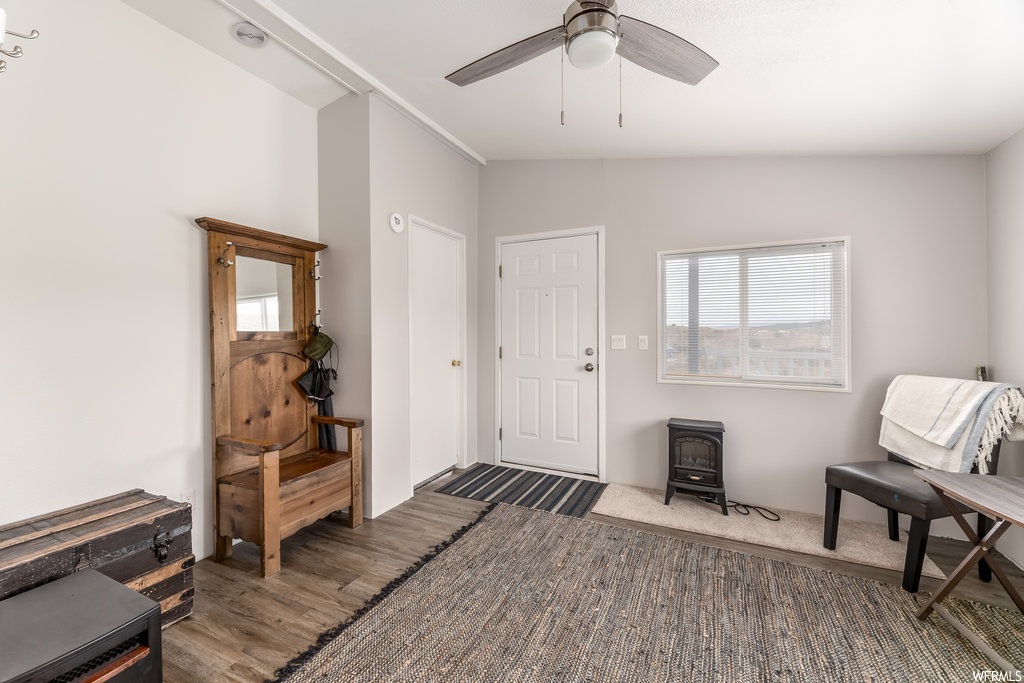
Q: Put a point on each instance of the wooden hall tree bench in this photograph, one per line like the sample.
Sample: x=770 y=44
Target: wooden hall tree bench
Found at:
x=271 y=477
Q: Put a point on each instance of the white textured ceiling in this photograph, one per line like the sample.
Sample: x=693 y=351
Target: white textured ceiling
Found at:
x=797 y=77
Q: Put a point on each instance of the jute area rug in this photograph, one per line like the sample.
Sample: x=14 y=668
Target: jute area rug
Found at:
x=532 y=596
x=859 y=542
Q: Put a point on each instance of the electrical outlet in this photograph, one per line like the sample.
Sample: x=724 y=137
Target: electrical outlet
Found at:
x=188 y=497
x=642 y=344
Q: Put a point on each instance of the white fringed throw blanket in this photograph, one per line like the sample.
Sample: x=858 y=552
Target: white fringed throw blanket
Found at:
x=949 y=424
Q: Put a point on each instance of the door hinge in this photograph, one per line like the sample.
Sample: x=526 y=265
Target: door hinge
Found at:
x=499 y=433
x=499 y=353
x=499 y=271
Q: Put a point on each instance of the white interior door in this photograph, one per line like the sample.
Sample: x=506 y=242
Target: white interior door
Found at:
x=549 y=383
x=434 y=340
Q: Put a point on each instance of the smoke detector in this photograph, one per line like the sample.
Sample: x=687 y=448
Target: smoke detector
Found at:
x=248 y=35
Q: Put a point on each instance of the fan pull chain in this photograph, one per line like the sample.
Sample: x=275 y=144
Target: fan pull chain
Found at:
x=620 y=91
x=563 y=85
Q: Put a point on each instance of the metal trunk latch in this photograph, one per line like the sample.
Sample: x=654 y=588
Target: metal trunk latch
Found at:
x=160 y=544
x=82 y=554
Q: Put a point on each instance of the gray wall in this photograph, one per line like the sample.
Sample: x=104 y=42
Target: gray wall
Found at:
x=411 y=172
x=1006 y=325
x=918 y=262
x=375 y=161
x=344 y=179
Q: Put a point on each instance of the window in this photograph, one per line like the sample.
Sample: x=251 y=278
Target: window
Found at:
x=768 y=315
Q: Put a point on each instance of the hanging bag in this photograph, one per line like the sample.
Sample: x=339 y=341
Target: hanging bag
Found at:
x=318 y=346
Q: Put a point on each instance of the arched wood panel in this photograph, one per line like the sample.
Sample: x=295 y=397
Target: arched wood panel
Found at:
x=265 y=403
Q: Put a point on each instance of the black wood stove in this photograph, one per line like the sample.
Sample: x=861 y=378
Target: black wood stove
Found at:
x=695 y=459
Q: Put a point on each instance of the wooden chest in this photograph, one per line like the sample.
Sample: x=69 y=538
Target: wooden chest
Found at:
x=142 y=540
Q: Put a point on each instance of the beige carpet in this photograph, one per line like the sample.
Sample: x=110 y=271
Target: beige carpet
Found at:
x=859 y=542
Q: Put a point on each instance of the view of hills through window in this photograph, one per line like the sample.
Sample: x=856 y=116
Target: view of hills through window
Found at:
x=763 y=314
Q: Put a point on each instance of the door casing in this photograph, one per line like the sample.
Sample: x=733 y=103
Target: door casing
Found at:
x=460 y=239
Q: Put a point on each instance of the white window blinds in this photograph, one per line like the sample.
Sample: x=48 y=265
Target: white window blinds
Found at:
x=768 y=314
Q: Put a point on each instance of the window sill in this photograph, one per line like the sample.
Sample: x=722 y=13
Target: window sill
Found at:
x=758 y=385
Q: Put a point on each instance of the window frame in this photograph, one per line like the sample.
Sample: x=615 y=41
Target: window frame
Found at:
x=847 y=385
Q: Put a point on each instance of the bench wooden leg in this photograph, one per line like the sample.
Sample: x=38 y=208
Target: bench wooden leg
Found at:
x=270 y=513
x=833 y=498
x=355 y=449
x=916 y=546
x=222 y=551
x=894 y=525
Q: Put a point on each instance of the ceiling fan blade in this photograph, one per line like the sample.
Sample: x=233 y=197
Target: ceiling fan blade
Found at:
x=657 y=50
x=508 y=57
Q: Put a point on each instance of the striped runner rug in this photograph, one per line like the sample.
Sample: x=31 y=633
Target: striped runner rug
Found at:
x=535 y=490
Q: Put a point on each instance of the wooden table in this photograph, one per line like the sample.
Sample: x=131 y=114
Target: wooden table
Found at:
x=1000 y=498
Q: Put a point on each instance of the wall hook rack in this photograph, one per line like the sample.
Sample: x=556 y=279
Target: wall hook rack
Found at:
x=15 y=52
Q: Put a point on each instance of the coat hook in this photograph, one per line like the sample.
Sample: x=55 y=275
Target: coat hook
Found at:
x=316 y=323
x=16 y=51
x=223 y=260
x=314 y=276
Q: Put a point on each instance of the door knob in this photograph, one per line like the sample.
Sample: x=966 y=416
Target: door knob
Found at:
x=456 y=363
x=589 y=367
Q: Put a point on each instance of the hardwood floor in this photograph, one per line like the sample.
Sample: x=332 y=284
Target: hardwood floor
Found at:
x=244 y=627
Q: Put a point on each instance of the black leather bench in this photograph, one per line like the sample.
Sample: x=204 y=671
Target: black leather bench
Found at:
x=893 y=485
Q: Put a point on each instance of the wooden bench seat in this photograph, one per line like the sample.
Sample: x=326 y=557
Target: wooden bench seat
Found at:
x=310 y=486
x=316 y=462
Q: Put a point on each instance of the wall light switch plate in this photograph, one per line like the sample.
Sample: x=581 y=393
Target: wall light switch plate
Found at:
x=618 y=341
x=642 y=345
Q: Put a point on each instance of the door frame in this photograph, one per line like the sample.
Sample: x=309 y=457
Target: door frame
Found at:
x=460 y=241
x=597 y=230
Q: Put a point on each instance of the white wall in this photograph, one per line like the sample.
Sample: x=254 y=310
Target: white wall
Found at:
x=116 y=134
x=1006 y=326
x=367 y=147
x=918 y=261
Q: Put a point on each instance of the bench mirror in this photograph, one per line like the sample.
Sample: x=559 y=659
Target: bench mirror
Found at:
x=263 y=295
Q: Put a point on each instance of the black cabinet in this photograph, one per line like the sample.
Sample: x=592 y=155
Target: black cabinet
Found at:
x=82 y=627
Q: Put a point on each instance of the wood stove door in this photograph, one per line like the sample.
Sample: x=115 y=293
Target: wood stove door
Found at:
x=549 y=387
x=696 y=458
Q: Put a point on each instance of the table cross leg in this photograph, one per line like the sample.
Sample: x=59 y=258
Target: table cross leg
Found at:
x=981 y=548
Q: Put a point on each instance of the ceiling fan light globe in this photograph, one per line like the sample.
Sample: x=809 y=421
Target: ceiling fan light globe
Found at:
x=592 y=49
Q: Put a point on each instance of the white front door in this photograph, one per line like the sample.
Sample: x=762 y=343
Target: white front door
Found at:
x=434 y=357
x=549 y=363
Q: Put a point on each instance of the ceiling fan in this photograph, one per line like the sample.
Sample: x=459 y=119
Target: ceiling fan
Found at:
x=593 y=32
